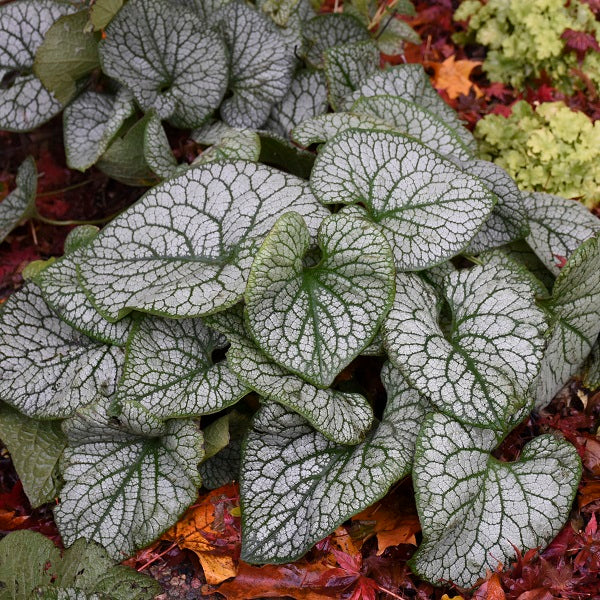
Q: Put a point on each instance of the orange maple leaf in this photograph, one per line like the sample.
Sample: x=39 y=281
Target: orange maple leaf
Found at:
x=452 y=76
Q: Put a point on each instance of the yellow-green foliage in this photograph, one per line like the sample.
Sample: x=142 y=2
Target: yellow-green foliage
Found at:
x=552 y=149
x=523 y=38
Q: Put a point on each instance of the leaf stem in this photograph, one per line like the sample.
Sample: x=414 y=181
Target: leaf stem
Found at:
x=65 y=189
x=36 y=215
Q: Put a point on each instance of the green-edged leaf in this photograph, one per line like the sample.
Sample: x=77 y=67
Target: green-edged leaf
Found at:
x=326 y=31
x=232 y=144
x=186 y=247
x=280 y=153
x=35 y=447
x=341 y=417
x=62 y=291
x=418 y=122
x=19 y=205
x=482 y=369
x=91 y=122
x=315 y=319
x=306 y=98
x=296 y=486
x=169 y=372
x=102 y=12
x=558 y=226
x=325 y=127
x=261 y=65
x=124 y=159
x=24 y=101
x=392 y=35
x=122 y=490
x=476 y=511
x=347 y=66
x=67 y=54
x=208 y=10
x=168 y=58
x=49 y=370
x=157 y=150
x=409 y=81
x=592 y=368
x=428 y=208
x=31 y=567
x=509 y=219
x=575 y=319
x=212 y=132
x=521 y=252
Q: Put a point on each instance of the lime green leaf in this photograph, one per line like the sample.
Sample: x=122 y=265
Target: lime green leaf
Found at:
x=279 y=10
x=329 y=30
x=62 y=291
x=306 y=98
x=91 y=122
x=30 y=562
x=341 y=417
x=186 y=247
x=35 y=447
x=410 y=118
x=473 y=508
x=24 y=101
x=480 y=372
x=297 y=486
x=325 y=127
x=102 y=12
x=169 y=372
x=216 y=437
x=558 y=226
x=49 y=370
x=314 y=320
x=391 y=39
x=575 y=319
x=347 y=66
x=19 y=205
x=123 y=490
x=66 y=55
x=261 y=65
x=157 y=150
x=403 y=183
x=168 y=58
x=411 y=83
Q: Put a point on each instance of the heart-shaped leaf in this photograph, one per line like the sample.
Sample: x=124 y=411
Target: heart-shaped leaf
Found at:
x=62 y=291
x=347 y=66
x=341 y=417
x=49 y=369
x=315 y=319
x=261 y=65
x=476 y=511
x=297 y=486
x=20 y=203
x=558 y=226
x=67 y=54
x=168 y=58
x=306 y=98
x=24 y=101
x=169 y=372
x=329 y=30
x=325 y=127
x=185 y=248
x=575 y=319
x=416 y=121
x=32 y=567
x=123 y=490
x=410 y=82
x=91 y=122
x=428 y=208
x=481 y=369
x=157 y=150
x=35 y=447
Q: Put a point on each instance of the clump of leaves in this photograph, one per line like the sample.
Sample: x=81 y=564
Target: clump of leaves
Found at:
x=547 y=148
x=527 y=39
x=266 y=269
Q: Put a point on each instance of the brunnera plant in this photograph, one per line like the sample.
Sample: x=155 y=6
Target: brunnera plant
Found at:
x=340 y=210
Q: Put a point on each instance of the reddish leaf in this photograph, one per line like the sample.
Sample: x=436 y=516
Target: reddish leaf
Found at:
x=580 y=42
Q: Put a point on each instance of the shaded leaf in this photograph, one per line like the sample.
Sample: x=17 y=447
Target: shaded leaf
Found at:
x=157 y=150
x=19 y=205
x=392 y=35
x=232 y=144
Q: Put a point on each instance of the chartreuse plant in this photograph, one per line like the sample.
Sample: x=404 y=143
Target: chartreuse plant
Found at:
x=132 y=364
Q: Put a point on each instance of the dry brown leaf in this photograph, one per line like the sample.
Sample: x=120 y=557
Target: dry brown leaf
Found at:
x=452 y=76
x=589 y=492
x=591 y=457
x=201 y=525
